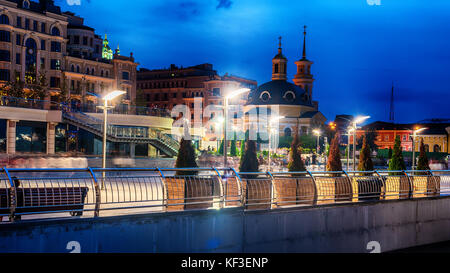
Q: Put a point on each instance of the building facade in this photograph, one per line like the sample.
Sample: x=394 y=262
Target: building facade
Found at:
x=292 y=101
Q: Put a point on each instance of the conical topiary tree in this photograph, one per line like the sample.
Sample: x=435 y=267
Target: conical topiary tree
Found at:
x=186 y=158
x=365 y=160
x=241 y=152
x=249 y=161
x=334 y=159
x=220 y=151
x=390 y=153
x=296 y=163
x=397 y=163
x=233 y=150
x=422 y=163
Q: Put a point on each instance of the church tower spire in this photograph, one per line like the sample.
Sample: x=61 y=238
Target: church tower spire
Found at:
x=304 y=78
x=279 y=64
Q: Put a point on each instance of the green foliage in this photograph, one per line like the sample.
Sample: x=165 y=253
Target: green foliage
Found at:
x=365 y=160
x=397 y=163
x=334 y=163
x=39 y=89
x=307 y=142
x=241 y=152
x=422 y=163
x=371 y=136
x=14 y=89
x=186 y=158
x=390 y=153
x=220 y=151
x=249 y=161
x=63 y=96
x=233 y=150
x=296 y=163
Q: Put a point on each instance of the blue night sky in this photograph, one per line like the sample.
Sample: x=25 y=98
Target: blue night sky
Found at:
x=358 y=49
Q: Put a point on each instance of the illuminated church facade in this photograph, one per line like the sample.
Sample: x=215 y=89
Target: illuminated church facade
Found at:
x=291 y=100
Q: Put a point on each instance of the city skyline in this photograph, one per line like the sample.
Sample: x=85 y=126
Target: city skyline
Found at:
x=354 y=63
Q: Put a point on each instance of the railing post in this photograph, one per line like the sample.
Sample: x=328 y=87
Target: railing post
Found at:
x=272 y=190
x=165 y=191
x=411 y=186
x=97 y=193
x=222 y=191
x=384 y=184
x=239 y=183
x=315 y=187
x=12 y=197
x=349 y=184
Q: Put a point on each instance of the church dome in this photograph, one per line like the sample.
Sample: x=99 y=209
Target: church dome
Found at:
x=278 y=92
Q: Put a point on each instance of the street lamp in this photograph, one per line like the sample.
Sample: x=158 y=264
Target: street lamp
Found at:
x=226 y=99
x=272 y=131
x=415 y=132
x=108 y=97
x=355 y=127
x=349 y=132
x=317 y=132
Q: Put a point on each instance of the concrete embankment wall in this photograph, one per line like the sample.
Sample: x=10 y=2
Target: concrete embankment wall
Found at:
x=345 y=228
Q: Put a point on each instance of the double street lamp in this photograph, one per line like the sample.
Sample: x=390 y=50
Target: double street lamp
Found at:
x=415 y=132
x=108 y=97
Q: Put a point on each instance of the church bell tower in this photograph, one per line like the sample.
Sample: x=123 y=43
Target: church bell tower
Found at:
x=304 y=78
x=279 y=64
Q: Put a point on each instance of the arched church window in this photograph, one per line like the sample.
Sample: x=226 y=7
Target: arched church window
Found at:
x=265 y=96
x=289 y=96
x=427 y=148
x=287 y=132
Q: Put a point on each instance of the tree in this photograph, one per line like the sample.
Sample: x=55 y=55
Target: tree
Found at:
x=365 y=160
x=186 y=158
x=63 y=96
x=390 y=153
x=249 y=162
x=334 y=159
x=296 y=163
x=241 y=152
x=39 y=89
x=371 y=136
x=14 y=89
x=233 y=151
x=397 y=163
x=220 y=151
x=422 y=163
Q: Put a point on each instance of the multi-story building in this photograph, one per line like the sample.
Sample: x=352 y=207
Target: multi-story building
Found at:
x=40 y=44
x=435 y=136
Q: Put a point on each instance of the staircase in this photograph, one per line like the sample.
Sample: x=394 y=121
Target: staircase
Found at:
x=163 y=142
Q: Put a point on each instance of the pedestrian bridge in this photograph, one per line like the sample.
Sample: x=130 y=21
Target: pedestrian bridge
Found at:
x=221 y=210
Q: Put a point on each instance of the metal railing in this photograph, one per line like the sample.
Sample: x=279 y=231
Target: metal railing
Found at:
x=46 y=193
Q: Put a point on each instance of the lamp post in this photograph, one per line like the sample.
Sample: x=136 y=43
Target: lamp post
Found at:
x=272 y=131
x=226 y=99
x=317 y=132
x=415 y=132
x=349 y=132
x=355 y=127
x=108 y=97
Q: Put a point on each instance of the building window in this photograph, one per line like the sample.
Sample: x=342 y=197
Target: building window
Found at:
x=4 y=75
x=56 y=32
x=42 y=44
x=56 y=47
x=276 y=69
x=386 y=138
x=97 y=49
x=55 y=82
x=5 y=36
x=35 y=25
x=287 y=132
x=30 y=60
x=19 y=22
x=43 y=26
x=125 y=75
x=55 y=64
x=4 y=19
x=26 y=4
x=265 y=96
x=107 y=74
x=102 y=73
x=437 y=148
x=78 y=69
x=18 y=61
x=289 y=96
x=92 y=71
x=216 y=92
x=76 y=39
x=42 y=63
x=27 y=23
x=18 y=40
x=85 y=40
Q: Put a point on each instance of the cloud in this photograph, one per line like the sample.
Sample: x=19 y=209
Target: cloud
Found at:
x=226 y=4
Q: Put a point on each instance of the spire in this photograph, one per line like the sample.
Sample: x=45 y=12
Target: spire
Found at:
x=304 y=42
x=279 y=45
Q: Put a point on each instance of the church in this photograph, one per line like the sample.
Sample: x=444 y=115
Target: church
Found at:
x=293 y=100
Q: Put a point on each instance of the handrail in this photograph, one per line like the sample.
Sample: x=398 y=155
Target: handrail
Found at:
x=147 y=188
